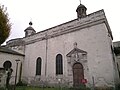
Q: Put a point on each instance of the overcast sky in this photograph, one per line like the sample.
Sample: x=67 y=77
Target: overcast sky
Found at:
x=48 y=13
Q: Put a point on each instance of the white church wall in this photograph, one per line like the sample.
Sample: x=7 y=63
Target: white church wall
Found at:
x=93 y=40
x=92 y=35
x=100 y=59
x=10 y=57
x=32 y=52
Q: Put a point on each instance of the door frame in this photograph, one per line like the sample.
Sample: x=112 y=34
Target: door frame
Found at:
x=81 y=71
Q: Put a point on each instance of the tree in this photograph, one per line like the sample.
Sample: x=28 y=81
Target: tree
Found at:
x=9 y=73
x=5 y=25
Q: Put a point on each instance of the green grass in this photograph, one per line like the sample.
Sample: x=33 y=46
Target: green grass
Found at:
x=35 y=88
x=45 y=88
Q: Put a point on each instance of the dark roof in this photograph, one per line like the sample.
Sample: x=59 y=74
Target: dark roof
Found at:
x=9 y=51
x=29 y=28
x=81 y=6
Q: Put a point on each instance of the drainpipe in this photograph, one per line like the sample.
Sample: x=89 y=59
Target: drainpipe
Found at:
x=46 y=54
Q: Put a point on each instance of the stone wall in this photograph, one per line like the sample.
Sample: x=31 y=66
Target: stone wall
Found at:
x=48 y=81
x=10 y=57
x=93 y=40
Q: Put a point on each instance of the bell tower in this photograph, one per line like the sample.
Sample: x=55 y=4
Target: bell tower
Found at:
x=81 y=11
x=29 y=31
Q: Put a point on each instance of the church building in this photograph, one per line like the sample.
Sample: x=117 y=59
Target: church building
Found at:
x=76 y=52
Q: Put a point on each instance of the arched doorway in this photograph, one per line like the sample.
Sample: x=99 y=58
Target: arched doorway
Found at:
x=78 y=74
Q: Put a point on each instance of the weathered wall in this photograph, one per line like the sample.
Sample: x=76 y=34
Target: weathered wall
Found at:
x=94 y=40
x=10 y=57
x=92 y=35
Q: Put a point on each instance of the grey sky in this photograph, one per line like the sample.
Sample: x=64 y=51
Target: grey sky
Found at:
x=48 y=13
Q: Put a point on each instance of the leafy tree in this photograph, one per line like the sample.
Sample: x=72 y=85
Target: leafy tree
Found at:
x=5 y=25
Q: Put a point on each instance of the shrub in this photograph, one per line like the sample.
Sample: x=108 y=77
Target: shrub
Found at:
x=21 y=84
x=81 y=87
x=2 y=88
x=118 y=87
x=104 y=88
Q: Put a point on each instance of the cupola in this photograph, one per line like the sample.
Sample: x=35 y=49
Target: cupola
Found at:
x=81 y=11
x=29 y=30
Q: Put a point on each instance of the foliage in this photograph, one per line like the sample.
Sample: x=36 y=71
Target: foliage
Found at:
x=9 y=73
x=118 y=87
x=5 y=26
x=104 y=88
x=20 y=83
x=35 y=88
x=10 y=88
x=81 y=87
x=2 y=88
x=49 y=88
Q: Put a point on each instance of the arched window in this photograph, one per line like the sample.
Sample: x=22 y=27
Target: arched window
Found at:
x=38 y=66
x=7 y=64
x=59 y=64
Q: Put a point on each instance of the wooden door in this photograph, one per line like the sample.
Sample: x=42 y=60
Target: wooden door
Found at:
x=78 y=74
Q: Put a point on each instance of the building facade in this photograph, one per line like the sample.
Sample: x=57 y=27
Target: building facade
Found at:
x=8 y=65
x=73 y=53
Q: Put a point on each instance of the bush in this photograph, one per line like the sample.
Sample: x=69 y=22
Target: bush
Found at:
x=118 y=87
x=21 y=84
x=104 y=88
x=81 y=87
x=2 y=88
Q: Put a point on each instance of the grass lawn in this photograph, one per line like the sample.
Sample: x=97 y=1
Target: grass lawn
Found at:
x=35 y=88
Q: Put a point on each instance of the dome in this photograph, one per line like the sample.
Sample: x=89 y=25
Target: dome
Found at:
x=81 y=6
x=29 y=28
x=81 y=11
